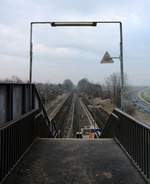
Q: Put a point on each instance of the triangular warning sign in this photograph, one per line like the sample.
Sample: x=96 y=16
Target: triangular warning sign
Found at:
x=107 y=58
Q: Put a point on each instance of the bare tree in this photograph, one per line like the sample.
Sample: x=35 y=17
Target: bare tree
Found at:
x=14 y=78
x=114 y=88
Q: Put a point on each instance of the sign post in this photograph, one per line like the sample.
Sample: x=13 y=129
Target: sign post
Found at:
x=108 y=59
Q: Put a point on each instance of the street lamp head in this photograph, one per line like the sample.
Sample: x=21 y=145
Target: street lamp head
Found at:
x=55 y=24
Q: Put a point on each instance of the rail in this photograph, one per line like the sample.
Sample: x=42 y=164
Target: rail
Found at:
x=22 y=119
x=99 y=114
x=15 y=138
x=91 y=120
x=59 y=119
x=134 y=137
x=51 y=124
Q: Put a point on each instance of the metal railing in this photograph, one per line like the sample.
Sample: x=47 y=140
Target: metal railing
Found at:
x=17 y=99
x=15 y=138
x=20 y=106
x=134 y=136
x=51 y=124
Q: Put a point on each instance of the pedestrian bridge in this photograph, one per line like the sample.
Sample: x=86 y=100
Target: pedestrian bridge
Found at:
x=31 y=150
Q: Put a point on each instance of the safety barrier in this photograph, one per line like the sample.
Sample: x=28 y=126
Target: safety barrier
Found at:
x=22 y=119
x=133 y=136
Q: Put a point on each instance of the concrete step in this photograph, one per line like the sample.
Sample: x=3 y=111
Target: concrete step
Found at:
x=72 y=161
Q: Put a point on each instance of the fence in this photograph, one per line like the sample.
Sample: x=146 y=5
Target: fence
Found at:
x=15 y=138
x=20 y=107
x=134 y=136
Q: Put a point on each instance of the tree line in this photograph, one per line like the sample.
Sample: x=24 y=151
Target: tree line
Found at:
x=110 y=89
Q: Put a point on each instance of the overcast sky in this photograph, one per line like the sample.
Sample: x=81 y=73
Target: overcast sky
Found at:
x=74 y=53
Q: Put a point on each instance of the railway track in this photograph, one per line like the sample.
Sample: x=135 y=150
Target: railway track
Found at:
x=61 y=115
x=91 y=120
x=52 y=110
x=72 y=115
x=81 y=118
x=71 y=118
x=99 y=114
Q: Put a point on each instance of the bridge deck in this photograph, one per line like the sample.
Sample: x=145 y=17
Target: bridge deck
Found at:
x=75 y=161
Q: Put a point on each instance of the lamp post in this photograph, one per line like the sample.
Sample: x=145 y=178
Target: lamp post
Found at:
x=53 y=24
x=31 y=46
x=84 y=23
x=121 y=66
x=108 y=59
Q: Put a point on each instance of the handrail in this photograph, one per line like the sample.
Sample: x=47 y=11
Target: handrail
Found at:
x=12 y=122
x=20 y=98
x=22 y=115
x=110 y=127
x=132 y=118
x=51 y=124
x=134 y=137
x=14 y=141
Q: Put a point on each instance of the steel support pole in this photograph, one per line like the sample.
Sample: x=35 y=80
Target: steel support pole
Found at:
x=121 y=68
x=30 y=72
x=121 y=60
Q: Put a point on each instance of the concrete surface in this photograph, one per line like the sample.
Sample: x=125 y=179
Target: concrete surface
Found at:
x=75 y=161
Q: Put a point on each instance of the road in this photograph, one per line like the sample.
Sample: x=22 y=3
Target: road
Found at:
x=141 y=104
